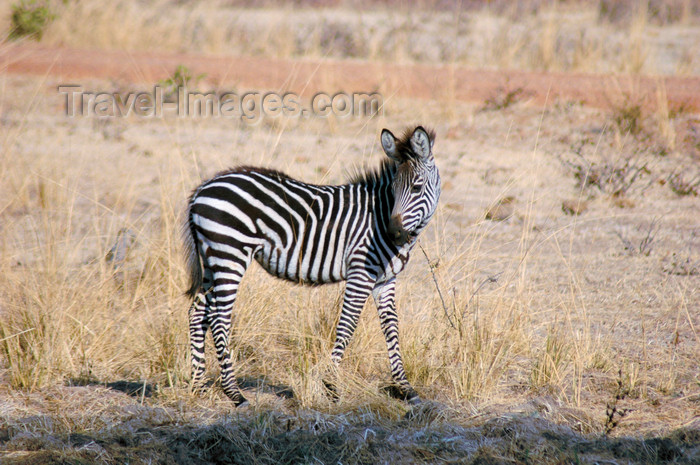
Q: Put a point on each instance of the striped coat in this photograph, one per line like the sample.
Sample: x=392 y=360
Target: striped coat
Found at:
x=360 y=232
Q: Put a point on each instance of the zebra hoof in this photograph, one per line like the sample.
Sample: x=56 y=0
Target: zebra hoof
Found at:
x=414 y=399
x=401 y=393
x=331 y=391
x=240 y=401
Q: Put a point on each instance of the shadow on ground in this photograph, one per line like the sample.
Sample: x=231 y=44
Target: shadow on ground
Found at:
x=130 y=388
x=144 y=389
x=250 y=437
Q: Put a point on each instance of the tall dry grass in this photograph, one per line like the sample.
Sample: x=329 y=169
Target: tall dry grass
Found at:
x=70 y=314
x=584 y=36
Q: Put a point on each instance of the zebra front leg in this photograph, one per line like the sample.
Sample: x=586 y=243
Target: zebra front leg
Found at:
x=357 y=291
x=199 y=324
x=385 y=298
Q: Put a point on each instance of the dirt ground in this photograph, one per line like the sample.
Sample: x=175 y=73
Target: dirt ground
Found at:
x=571 y=221
x=307 y=77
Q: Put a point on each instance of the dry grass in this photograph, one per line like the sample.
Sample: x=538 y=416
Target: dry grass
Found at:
x=583 y=36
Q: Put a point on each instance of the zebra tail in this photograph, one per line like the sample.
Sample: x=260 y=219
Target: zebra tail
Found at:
x=194 y=265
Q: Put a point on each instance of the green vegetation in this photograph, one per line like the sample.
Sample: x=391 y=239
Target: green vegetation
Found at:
x=30 y=18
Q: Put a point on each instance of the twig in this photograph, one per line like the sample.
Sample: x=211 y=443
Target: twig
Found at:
x=645 y=244
x=437 y=286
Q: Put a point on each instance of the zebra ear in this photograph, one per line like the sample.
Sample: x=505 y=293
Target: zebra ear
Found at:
x=421 y=143
x=389 y=145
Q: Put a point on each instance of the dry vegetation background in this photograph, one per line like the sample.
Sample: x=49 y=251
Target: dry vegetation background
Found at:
x=550 y=314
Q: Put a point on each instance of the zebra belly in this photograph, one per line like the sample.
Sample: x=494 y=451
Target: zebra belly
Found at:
x=288 y=265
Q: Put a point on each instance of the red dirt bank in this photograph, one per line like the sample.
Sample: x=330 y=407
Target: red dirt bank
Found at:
x=306 y=77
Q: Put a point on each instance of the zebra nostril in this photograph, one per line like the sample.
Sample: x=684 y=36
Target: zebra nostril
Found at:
x=396 y=230
x=400 y=236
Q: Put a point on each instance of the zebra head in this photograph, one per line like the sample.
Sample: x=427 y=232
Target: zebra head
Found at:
x=416 y=185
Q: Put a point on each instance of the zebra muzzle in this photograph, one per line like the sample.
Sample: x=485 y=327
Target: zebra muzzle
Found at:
x=397 y=232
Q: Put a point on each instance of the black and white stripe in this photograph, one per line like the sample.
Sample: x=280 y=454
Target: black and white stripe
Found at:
x=361 y=232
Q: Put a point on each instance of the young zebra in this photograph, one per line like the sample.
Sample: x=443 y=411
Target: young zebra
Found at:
x=360 y=232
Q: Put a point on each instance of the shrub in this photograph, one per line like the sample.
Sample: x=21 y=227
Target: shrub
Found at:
x=182 y=77
x=29 y=18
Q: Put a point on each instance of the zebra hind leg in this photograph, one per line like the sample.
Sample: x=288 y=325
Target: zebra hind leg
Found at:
x=225 y=290
x=199 y=324
x=221 y=328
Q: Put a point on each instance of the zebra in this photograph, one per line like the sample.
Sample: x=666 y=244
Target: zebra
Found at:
x=361 y=232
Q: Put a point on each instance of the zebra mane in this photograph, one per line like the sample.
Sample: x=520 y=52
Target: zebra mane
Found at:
x=372 y=177
x=254 y=169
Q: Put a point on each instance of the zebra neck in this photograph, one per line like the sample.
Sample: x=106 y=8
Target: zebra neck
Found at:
x=380 y=197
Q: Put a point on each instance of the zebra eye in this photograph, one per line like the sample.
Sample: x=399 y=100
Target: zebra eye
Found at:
x=416 y=188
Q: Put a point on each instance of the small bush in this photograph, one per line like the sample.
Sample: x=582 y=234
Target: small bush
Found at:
x=659 y=12
x=182 y=77
x=628 y=117
x=614 y=414
x=683 y=265
x=645 y=245
x=29 y=18
x=615 y=177
x=682 y=186
x=503 y=98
